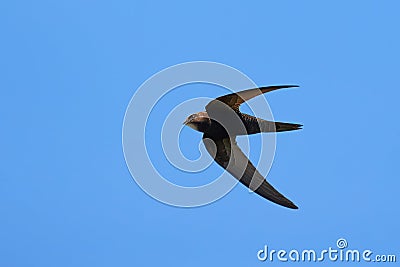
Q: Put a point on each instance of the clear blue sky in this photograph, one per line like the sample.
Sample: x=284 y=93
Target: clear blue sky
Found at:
x=69 y=68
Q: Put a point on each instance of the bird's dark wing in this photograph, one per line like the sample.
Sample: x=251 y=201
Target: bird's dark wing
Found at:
x=229 y=156
x=234 y=100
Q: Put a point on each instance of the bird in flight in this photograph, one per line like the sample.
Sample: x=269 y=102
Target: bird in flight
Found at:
x=222 y=122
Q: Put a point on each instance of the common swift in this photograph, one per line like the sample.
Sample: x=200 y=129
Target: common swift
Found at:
x=222 y=122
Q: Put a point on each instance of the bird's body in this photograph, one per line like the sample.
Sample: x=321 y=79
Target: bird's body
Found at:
x=252 y=125
x=222 y=122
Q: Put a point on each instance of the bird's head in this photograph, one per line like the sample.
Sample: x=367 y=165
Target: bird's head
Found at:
x=199 y=121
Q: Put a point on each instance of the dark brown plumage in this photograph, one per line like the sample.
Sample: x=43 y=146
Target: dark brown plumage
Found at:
x=222 y=122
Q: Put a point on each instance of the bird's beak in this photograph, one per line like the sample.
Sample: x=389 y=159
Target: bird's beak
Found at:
x=186 y=122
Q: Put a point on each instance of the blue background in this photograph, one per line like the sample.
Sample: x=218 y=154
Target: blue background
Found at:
x=69 y=68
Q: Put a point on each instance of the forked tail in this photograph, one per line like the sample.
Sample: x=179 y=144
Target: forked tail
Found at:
x=283 y=126
x=270 y=126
